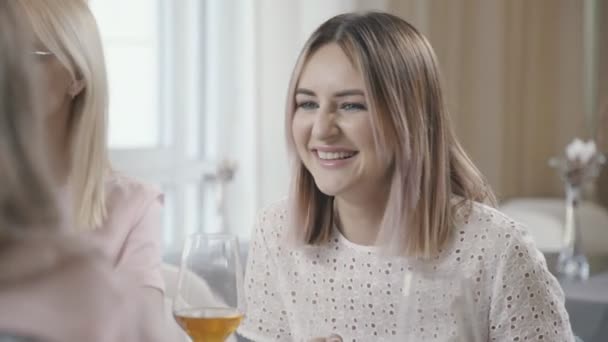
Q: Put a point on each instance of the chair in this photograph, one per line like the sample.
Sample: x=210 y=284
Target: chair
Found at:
x=544 y=219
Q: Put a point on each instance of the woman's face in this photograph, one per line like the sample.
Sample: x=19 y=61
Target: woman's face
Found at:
x=332 y=128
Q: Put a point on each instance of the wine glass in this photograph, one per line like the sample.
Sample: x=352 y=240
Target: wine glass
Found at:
x=209 y=303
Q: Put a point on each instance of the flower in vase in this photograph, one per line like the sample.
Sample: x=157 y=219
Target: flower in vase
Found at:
x=581 y=163
x=581 y=152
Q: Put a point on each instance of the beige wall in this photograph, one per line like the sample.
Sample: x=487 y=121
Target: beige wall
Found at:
x=514 y=77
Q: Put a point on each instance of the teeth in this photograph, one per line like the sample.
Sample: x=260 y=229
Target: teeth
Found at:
x=335 y=155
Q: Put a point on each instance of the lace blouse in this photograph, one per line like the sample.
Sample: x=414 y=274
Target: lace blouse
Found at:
x=363 y=295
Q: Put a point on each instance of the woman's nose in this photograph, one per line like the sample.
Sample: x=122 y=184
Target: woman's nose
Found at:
x=325 y=125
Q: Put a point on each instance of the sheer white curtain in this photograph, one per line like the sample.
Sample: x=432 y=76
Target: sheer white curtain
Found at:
x=153 y=51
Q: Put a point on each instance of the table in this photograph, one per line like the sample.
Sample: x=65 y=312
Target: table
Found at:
x=587 y=305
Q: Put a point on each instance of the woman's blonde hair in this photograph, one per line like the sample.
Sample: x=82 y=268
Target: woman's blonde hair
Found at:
x=412 y=132
x=68 y=29
x=27 y=198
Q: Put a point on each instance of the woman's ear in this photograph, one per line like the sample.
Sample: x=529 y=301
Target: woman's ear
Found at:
x=76 y=88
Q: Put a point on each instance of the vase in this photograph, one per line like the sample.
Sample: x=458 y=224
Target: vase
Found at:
x=572 y=263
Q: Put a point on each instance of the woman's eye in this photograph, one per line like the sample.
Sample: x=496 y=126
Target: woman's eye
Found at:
x=353 y=106
x=307 y=105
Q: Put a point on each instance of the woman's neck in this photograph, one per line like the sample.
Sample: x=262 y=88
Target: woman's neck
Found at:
x=359 y=221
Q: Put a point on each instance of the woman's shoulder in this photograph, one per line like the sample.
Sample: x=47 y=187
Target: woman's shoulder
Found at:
x=123 y=188
x=485 y=242
x=275 y=212
x=129 y=198
x=485 y=221
x=133 y=212
x=272 y=220
x=484 y=232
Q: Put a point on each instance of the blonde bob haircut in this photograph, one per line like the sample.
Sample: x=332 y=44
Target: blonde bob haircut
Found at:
x=431 y=173
x=27 y=199
x=68 y=29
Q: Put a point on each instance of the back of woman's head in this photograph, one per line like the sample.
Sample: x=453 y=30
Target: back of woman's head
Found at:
x=26 y=197
x=411 y=128
x=68 y=30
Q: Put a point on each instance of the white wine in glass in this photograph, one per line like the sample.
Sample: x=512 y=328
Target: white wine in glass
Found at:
x=209 y=303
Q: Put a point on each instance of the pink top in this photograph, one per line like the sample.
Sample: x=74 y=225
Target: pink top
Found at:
x=131 y=234
x=58 y=288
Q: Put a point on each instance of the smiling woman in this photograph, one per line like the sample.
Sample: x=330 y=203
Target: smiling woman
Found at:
x=331 y=126
x=333 y=136
x=382 y=193
x=396 y=146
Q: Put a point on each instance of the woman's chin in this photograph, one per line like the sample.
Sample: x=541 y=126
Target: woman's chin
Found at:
x=329 y=190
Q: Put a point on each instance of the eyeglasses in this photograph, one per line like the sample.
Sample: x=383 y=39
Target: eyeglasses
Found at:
x=42 y=53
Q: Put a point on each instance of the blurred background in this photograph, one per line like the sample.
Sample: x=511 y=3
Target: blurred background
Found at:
x=195 y=83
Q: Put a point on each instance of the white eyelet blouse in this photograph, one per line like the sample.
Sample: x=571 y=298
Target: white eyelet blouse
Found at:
x=363 y=295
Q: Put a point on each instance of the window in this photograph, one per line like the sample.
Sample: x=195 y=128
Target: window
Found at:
x=153 y=54
x=131 y=37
